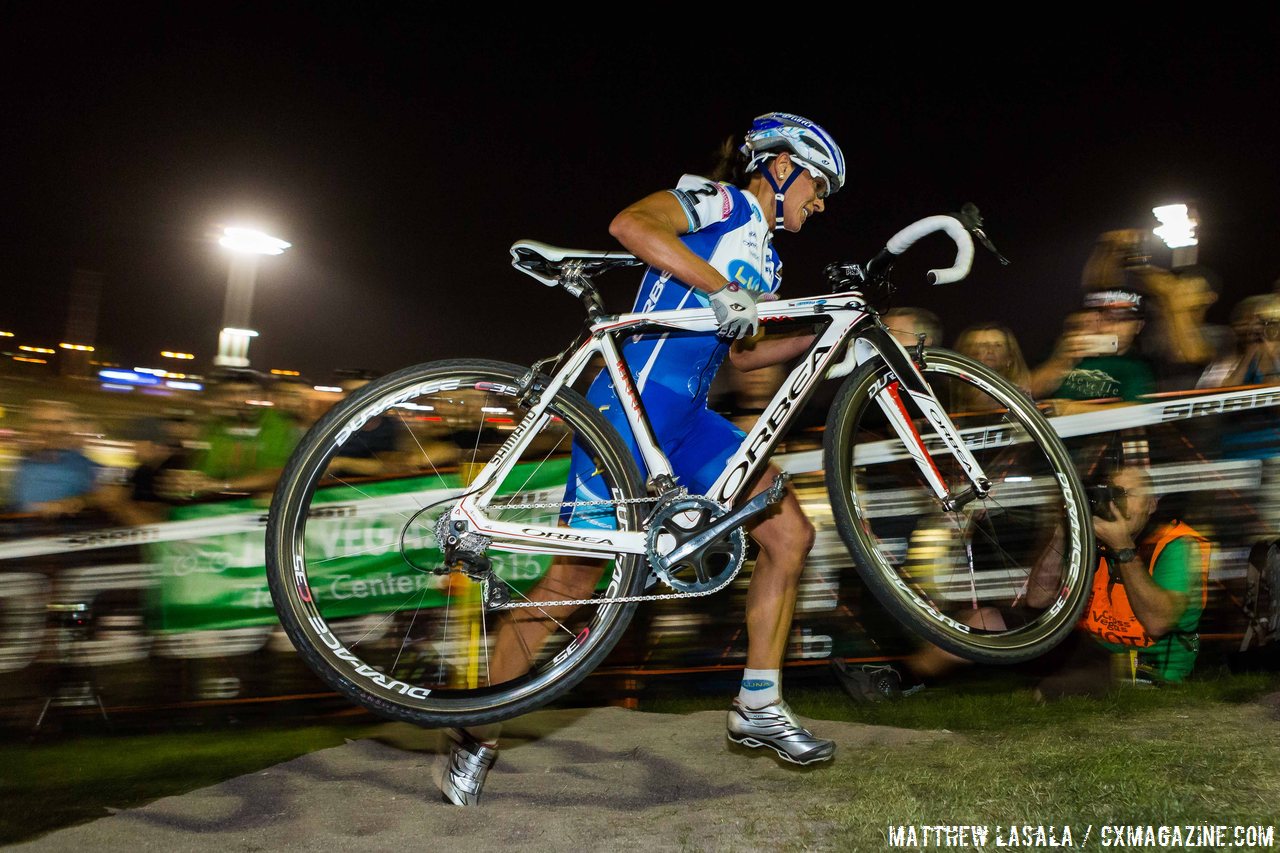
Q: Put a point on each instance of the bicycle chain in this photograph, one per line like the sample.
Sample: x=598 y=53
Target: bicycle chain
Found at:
x=563 y=504
x=626 y=599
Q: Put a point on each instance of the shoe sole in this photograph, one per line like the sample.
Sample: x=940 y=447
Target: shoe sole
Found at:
x=752 y=743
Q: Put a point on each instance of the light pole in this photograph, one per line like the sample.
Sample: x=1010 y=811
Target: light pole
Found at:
x=246 y=246
x=1177 y=229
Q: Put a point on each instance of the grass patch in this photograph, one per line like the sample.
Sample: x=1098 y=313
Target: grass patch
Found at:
x=1217 y=764
x=1204 y=752
x=46 y=786
x=995 y=702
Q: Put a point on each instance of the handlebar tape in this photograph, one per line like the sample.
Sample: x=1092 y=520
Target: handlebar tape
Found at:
x=959 y=235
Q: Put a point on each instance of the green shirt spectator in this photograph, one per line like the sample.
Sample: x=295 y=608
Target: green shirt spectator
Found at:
x=1102 y=377
x=237 y=448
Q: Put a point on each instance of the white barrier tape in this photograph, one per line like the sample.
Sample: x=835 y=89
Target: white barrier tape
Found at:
x=405 y=504
x=1180 y=409
x=1067 y=426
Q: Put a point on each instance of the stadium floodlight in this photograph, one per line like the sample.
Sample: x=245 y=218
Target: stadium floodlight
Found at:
x=250 y=241
x=1177 y=229
x=247 y=246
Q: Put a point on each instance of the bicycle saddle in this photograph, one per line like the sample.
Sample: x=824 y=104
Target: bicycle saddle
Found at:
x=545 y=262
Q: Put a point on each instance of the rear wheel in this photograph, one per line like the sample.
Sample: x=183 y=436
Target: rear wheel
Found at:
x=1004 y=578
x=354 y=563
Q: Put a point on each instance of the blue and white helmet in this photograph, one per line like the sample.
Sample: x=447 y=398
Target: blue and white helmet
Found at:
x=808 y=143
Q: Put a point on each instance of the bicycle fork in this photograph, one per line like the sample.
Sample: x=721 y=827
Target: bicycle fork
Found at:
x=904 y=380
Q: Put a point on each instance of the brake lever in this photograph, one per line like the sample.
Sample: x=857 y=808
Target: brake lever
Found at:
x=971 y=219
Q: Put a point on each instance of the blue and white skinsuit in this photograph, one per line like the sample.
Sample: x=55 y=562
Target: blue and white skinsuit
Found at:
x=673 y=371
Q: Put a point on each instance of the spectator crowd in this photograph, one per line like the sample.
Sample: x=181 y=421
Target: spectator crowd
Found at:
x=1139 y=330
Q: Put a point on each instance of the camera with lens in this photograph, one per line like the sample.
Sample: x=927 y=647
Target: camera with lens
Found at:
x=1269 y=329
x=1102 y=495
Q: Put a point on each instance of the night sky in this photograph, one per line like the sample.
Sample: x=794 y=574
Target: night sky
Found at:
x=402 y=155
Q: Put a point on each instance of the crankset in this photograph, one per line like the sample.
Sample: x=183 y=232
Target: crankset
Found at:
x=673 y=525
x=696 y=545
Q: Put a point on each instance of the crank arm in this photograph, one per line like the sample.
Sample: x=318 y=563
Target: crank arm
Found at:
x=741 y=516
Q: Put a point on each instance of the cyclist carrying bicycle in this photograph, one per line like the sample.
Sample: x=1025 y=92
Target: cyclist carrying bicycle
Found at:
x=708 y=243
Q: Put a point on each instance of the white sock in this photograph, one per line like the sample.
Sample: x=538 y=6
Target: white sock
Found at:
x=760 y=687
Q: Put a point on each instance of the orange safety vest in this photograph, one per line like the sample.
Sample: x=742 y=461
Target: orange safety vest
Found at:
x=1109 y=616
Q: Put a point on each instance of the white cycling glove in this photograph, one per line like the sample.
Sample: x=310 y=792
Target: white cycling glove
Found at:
x=735 y=312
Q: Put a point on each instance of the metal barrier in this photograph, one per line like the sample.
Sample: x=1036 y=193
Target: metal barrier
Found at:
x=178 y=611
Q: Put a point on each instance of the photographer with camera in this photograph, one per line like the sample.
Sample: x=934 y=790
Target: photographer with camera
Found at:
x=1255 y=321
x=1151 y=583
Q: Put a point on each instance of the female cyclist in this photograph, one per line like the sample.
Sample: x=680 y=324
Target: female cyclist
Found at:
x=708 y=243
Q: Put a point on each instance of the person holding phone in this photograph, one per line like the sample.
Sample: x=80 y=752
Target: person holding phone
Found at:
x=1095 y=359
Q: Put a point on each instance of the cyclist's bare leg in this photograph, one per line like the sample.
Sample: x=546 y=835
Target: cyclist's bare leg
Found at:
x=758 y=717
x=524 y=630
x=785 y=537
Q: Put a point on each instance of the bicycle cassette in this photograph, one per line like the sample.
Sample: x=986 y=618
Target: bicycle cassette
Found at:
x=675 y=556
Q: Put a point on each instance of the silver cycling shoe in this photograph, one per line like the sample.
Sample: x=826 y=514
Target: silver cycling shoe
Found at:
x=776 y=727
x=469 y=763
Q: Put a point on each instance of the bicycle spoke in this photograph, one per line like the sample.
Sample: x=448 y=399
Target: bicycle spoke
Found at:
x=368 y=496
x=444 y=636
x=421 y=449
x=484 y=628
x=383 y=621
x=370 y=550
x=539 y=609
x=409 y=631
x=534 y=472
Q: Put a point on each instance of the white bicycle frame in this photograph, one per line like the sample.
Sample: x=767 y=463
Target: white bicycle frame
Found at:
x=845 y=315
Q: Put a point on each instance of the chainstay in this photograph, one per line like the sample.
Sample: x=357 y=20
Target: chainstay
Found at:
x=563 y=504
x=600 y=602
x=626 y=599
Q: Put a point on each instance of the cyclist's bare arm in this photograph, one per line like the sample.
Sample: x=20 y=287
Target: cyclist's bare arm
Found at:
x=755 y=353
x=650 y=229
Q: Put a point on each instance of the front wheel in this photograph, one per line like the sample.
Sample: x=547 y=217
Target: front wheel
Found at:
x=1002 y=579
x=354 y=561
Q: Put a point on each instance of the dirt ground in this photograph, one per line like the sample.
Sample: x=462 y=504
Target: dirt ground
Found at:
x=604 y=778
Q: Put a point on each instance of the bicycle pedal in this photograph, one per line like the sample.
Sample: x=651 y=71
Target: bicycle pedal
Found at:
x=779 y=488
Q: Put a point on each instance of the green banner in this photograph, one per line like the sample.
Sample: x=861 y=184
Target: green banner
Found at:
x=353 y=549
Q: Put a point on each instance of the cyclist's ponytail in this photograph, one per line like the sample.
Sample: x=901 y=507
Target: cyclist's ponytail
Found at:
x=731 y=164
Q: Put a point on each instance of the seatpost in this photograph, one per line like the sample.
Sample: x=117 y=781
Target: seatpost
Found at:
x=579 y=284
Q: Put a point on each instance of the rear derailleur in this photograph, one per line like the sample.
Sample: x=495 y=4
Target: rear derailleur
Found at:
x=465 y=552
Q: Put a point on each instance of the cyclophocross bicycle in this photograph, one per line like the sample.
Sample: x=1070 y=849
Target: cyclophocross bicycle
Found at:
x=421 y=523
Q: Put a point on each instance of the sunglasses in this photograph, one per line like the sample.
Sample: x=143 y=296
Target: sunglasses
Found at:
x=819 y=179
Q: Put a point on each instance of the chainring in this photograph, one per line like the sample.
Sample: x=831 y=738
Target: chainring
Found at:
x=674 y=523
